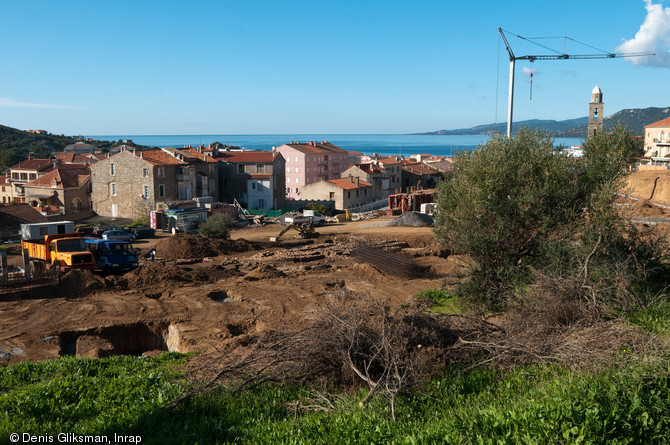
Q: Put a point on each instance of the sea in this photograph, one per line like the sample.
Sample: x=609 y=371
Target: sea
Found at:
x=383 y=144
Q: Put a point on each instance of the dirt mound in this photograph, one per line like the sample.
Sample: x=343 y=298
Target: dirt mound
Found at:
x=263 y=272
x=413 y=219
x=78 y=282
x=197 y=246
x=185 y=246
x=159 y=275
x=646 y=208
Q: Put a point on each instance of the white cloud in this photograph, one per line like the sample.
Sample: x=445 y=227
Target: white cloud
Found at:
x=530 y=71
x=6 y=102
x=654 y=35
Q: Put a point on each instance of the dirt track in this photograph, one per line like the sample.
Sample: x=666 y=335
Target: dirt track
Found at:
x=211 y=303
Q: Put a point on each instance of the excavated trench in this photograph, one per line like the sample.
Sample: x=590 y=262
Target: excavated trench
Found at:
x=127 y=339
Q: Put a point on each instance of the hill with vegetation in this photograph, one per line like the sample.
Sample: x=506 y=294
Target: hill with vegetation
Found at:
x=16 y=145
x=634 y=119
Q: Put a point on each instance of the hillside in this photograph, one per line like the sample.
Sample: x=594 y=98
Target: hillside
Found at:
x=634 y=119
x=16 y=145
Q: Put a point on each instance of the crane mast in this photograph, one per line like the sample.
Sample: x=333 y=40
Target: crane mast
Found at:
x=533 y=58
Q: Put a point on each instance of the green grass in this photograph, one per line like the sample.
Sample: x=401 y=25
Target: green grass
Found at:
x=655 y=319
x=547 y=404
x=444 y=302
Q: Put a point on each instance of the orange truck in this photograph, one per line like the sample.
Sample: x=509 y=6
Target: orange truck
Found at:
x=64 y=251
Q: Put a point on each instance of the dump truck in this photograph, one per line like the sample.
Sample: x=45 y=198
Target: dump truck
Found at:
x=62 y=250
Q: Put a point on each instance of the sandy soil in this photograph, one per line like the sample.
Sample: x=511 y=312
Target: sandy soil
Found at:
x=185 y=302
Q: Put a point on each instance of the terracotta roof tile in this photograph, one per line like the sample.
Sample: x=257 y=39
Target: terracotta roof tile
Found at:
x=346 y=184
x=202 y=156
x=14 y=215
x=66 y=176
x=159 y=157
x=662 y=123
x=33 y=164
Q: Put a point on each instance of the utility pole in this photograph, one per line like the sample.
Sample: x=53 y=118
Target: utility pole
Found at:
x=533 y=58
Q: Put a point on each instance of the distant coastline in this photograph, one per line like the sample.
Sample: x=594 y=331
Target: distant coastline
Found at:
x=384 y=144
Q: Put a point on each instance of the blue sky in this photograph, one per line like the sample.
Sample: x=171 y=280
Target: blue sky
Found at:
x=255 y=67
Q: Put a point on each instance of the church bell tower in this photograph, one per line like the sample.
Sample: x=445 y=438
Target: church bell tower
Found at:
x=596 y=113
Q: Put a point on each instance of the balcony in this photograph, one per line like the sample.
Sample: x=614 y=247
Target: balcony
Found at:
x=183 y=177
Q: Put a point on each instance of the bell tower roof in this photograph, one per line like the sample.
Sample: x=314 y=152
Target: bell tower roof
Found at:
x=596 y=90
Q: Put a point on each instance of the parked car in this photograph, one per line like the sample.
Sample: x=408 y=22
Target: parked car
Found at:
x=141 y=232
x=118 y=234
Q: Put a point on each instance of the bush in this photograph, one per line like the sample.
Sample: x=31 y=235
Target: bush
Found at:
x=518 y=206
x=217 y=226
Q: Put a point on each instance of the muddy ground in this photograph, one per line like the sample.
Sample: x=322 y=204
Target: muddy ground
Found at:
x=211 y=296
x=208 y=296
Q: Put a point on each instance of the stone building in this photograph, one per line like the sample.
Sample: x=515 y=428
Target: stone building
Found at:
x=417 y=175
x=346 y=193
x=596 y=112
x=391 y=167
x=127 y=185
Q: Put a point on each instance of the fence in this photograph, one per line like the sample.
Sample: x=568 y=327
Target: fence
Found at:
x=270 y=213
x=21 y=278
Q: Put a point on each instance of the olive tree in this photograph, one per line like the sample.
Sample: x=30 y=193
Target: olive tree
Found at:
x=518 y=205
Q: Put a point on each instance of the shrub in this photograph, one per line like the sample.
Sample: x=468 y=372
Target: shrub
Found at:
x=518 y=206
x=217 y=226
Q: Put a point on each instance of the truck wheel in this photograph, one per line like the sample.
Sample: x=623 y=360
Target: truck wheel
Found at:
x=131 y=239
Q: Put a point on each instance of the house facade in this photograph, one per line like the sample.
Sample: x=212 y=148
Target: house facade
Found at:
x=26 y=171
x=311 y=162
x=63 y=191
x=657 y=141
x=255 y=179
x=346 y=193
x=5 y=190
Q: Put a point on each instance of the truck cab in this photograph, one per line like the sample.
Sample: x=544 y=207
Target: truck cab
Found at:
x=113 y=255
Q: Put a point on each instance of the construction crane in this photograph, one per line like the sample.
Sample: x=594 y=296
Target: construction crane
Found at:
x=533 y=58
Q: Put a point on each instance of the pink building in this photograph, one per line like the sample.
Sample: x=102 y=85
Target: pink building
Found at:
x=311 y=162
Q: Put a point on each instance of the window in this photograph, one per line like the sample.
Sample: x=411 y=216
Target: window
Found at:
x=76 y=205
x=161 y=190
x=288 y=169
x=260 y=168
x=331 y=196
x=296 y=169
x=288 y=190
x=145 y=191
x=112 y=169
x=296 y=159
x=112 y=189
x=241 y=168
x=145 y=172
x=296 y=180
x=24 y=176
x=161 y=172
x=261 y=203
x=15 y=176
x=348 y=194
x=253 y=185
x=33 y=176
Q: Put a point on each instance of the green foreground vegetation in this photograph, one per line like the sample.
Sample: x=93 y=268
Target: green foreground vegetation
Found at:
x=627 y=403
